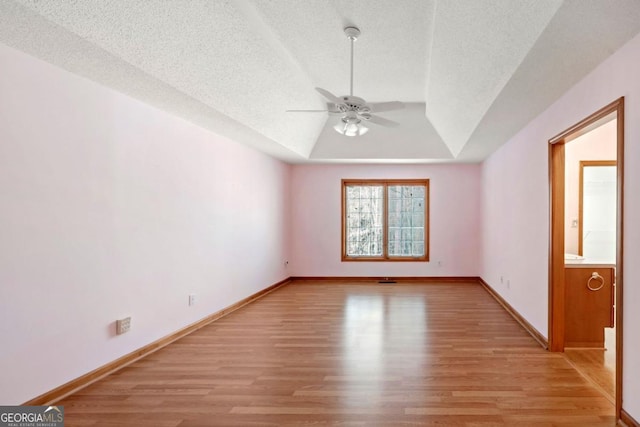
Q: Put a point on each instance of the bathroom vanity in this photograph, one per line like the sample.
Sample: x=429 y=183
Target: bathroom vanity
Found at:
x=589 y=302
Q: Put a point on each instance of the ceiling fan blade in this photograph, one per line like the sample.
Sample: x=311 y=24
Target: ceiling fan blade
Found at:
x=381 y=107
x=331 y=97
x=313 y=111
x=381 y=121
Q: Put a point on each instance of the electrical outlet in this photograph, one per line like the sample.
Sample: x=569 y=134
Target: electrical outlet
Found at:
x=508 y=284
x=123 y=325
x=192 y=299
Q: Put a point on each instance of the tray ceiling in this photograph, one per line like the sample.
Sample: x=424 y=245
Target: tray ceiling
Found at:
x=471 y=73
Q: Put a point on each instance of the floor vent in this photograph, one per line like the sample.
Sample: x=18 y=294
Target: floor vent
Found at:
x=387 y=280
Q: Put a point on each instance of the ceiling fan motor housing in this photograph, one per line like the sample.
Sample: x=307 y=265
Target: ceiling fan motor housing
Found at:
x=353 y=103
x=351 y=118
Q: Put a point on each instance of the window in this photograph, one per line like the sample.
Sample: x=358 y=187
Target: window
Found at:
x=385 y=220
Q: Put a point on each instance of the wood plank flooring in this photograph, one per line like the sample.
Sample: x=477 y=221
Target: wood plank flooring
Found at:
x=350 y=354
x=598 y=365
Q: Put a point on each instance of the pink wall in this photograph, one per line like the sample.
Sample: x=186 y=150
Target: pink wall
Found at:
x=599 y=144
x=112 y=208
x=515 y=204
x=454 y=220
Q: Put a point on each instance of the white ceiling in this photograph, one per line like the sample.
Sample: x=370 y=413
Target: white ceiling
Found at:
x=471 y=72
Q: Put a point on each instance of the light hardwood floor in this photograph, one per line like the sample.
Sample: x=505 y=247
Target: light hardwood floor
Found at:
x=350 y=354
x=598 y=365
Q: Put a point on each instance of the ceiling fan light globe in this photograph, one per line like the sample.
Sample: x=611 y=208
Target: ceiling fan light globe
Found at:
x=340 y=127
x=350 y=129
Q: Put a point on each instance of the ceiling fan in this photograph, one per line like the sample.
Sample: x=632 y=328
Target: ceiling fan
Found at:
x=354 y=110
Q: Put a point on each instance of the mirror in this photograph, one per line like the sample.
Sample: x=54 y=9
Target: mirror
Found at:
x=597 y=210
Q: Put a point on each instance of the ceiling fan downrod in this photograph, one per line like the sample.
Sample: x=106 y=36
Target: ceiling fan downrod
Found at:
x=352 y=34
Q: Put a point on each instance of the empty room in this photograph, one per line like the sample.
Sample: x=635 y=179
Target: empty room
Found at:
x=290 y=213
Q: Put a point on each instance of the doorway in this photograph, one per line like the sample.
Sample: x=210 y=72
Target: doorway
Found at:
x=562 y=232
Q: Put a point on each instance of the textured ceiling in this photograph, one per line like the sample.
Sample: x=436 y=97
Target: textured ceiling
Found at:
x=471 y=72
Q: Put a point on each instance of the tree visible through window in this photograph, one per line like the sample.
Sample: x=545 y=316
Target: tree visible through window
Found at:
x=385 y=220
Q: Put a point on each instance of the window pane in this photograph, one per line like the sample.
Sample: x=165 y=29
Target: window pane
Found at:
x=353 y=219
x=417 y=191
x=394 y=220
x=377 y=220
x=394 y=248
x=395 y=234
x=369 y=204
x=352 y=247
x=395 y=192
x=406 y=248
x=365 y=192
x=406 y=220
x=364 y=222
x=418 y=220
x=353 y=205
x=418 y=248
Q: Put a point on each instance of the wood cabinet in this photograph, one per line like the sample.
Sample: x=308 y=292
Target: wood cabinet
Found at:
x=589 y=305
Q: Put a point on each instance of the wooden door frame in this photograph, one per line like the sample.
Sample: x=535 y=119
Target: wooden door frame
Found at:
x=583 y=164
x=556 y=237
